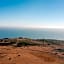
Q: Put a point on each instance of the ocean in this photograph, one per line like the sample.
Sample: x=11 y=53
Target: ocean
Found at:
x=32 y=33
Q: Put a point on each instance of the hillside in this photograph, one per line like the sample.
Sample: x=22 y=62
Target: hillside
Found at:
x=31 y=51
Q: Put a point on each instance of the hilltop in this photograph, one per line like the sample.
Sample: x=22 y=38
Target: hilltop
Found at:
x=31 y=51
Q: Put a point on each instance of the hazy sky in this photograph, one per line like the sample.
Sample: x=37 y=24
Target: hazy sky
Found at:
x=32 y=13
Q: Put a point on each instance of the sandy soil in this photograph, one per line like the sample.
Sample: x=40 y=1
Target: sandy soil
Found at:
x=29 y=55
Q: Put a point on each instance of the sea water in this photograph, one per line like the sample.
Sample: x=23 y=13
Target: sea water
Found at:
x=32 y=33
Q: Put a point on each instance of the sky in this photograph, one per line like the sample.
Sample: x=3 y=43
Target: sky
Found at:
x=32 y=13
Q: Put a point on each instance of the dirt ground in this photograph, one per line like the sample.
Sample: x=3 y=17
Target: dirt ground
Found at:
x=29 y=55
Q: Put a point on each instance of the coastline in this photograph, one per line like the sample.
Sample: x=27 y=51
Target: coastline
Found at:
x=31 y=41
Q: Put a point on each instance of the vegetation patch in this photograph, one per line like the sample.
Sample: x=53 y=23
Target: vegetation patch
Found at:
x=59 y=50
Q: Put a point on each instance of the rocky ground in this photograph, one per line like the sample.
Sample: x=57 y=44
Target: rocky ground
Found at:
x=43 y=53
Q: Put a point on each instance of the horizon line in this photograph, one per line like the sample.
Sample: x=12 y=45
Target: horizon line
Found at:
x=34 y=27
